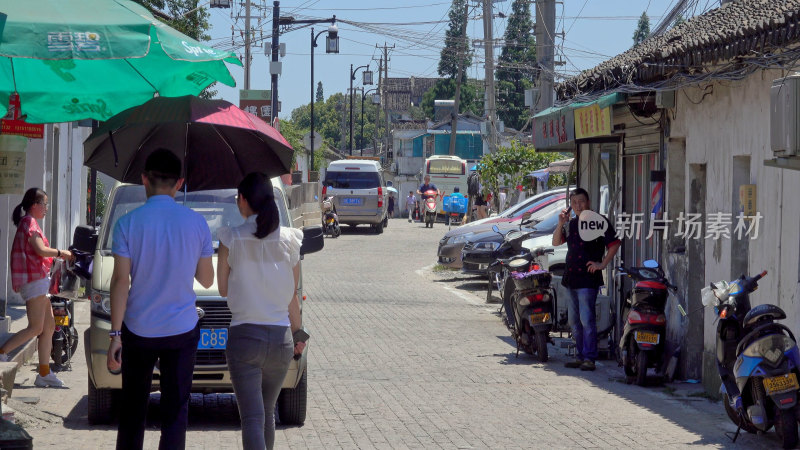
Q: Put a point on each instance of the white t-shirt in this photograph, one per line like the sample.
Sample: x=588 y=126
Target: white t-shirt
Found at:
x=261 y=282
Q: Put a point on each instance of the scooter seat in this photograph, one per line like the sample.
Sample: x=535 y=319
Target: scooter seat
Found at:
x=761 y=331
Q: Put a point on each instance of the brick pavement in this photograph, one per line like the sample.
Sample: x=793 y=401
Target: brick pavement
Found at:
x=399 y=360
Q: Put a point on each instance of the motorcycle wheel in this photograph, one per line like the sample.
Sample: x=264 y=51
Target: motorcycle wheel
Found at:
x=57 y=352
x=786 y=427
x=489 y=290
x=627 y=363
x=541 y=346
x=73 y=346
x=734 y=416
x=641 y=368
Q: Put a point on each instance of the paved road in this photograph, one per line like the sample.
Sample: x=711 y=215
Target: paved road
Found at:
x=401 y=359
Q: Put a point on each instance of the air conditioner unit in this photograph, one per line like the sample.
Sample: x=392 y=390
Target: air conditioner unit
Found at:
x=784 y=112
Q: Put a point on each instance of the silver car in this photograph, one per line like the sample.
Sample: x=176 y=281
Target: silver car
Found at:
x=359 y=192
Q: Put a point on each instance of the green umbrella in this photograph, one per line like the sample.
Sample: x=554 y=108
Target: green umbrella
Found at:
x=79 y=59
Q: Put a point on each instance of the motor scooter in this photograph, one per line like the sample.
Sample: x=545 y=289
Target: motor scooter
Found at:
x=757 y=360
x=530 y=307
x=429 y=207
x=643 y=339
x=64 y=290
x=330 y=220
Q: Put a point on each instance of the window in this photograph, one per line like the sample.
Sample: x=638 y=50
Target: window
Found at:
x=445 y=167
x=352 y=180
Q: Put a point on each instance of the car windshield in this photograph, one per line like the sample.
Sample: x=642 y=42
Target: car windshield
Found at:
x=549 y=223
x=352 y=180
x=526 y=204
x=218 y=207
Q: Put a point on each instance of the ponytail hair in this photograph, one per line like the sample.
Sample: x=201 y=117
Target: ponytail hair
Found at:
x=31 y=197
x=257 y=190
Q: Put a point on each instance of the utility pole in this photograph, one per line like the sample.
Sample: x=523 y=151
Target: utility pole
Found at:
x=276 y=15
x=247 y=45
x=488 y=45
x=454 y=114
x=545 y=32
x=384 y=99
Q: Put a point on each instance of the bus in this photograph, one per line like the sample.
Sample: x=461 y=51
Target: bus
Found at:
x=446 y=173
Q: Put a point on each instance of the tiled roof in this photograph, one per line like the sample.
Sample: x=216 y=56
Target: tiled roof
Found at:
x=745 y=28
x=410 y=125
x=400 y=92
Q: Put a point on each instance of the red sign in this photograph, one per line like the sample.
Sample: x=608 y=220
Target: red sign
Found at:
x=12 y=125
x=20 y=128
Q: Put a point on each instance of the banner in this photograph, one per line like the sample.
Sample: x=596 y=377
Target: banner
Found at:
x=12 y=164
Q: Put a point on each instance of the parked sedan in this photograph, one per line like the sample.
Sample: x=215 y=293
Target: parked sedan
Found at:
x=478 y=252
x=452 y=243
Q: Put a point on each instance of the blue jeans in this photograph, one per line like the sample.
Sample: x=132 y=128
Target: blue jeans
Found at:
x=258 y=358
x=582 y=311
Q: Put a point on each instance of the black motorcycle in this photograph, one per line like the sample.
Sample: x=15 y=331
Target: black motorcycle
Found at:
x=65 y=289
x=643 y=339
x=510 y=247
x=530 y=308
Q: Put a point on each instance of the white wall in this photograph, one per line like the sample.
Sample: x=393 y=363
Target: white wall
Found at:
x=733 y=120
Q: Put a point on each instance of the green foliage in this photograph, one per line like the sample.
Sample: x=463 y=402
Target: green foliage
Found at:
x=642 y=29
x=320 y=97
x=333 y=114
x=456 y=43
x=445 y=89
x=294 y=135
x=515 y=72
x=510 y=166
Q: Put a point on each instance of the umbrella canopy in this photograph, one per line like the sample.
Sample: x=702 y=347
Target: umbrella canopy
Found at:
x=78 y=59
x=218 y=143
x=391 y=189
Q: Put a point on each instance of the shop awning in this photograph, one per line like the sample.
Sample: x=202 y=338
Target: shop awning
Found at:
x=554 y=128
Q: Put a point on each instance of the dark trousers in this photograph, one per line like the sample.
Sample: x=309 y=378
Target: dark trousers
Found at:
x=176 y=361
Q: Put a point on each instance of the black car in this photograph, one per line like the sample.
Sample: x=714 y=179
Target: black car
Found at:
x=478 y=253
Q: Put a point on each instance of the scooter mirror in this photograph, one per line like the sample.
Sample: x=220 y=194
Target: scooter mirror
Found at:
x=495 y=229
x=526 y=216
x=650 y=264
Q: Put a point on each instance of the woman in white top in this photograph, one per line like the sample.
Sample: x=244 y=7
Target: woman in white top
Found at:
x=258 y=269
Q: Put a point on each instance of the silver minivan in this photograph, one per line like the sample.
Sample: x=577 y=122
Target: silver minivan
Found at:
x=359 y=192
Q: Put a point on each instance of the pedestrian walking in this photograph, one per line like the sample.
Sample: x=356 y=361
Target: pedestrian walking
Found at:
x=258 y=270
x=390 y=206
x=583 y=276
x=159 y=250
x=31 y=260
x=411 y=205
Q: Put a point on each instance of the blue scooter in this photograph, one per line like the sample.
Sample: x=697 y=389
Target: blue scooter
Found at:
x=757 y=359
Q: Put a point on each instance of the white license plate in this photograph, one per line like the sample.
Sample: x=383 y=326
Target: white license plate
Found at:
x=213 y=338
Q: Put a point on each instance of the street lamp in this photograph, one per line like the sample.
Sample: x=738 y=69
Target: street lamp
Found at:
x=367 y=79
x=331 y=46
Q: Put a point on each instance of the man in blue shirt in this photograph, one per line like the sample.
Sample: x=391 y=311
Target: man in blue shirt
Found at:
x=159 y=250
x=427 y=186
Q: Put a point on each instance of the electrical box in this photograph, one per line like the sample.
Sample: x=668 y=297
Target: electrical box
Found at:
x=275 y=67
x=784 y=106
x=747 y=199
x=665 y=99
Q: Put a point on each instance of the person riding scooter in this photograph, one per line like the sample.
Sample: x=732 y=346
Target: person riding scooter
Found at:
x=426 y=191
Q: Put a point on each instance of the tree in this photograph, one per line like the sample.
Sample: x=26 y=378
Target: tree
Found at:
x=320 y=97
x=100 y=195
x=510 y=166
x=642 y=29
x=445 y=89
x=456 y=43
x=515 y=69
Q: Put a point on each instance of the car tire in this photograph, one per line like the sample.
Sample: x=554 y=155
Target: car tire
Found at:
x=386 y=222
x=292 y=403
x=101 y=404
x=379 y=228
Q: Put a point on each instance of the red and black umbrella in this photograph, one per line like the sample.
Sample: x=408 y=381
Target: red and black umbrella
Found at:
x=218 y=142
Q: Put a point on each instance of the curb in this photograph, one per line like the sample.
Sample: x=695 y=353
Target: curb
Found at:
x=8 y=370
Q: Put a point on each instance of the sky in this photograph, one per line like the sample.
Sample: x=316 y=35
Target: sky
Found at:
x=594 y=30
